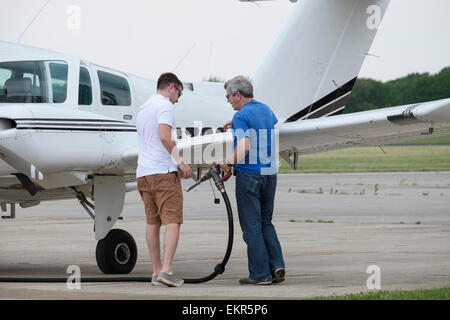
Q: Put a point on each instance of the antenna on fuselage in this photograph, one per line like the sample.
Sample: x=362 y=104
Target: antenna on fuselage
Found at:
x=34 y=18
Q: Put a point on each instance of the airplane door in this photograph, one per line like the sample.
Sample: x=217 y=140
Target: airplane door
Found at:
x=106 y=92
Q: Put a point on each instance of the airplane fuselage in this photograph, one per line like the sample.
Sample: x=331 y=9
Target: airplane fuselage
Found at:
x=71 y=119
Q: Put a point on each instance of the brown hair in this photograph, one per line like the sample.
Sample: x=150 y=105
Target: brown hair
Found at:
x=167 y=78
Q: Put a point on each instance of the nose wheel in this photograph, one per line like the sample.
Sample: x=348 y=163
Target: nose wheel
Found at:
x=116 y=253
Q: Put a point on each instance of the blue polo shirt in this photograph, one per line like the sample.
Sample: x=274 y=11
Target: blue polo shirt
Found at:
x=256 y=121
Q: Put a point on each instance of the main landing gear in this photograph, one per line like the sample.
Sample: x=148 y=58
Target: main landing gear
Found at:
x=116 y=253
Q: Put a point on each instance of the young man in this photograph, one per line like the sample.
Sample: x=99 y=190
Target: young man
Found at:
x=158 y=175
x=256 y=180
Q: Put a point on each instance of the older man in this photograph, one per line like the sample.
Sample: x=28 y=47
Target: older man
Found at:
x=158 y=175
x=255 y=169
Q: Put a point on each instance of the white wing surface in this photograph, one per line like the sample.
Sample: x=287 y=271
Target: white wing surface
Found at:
x=376 y=127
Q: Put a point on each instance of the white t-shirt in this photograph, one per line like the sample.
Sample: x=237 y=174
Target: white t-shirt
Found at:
x=153 y=157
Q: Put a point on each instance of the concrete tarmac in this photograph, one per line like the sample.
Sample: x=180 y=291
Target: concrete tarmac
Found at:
x=332 y=227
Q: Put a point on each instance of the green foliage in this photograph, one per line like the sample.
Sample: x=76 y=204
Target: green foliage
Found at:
x=369 y=94
x=213 y=78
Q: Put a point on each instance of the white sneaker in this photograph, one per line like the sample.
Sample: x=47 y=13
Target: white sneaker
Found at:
x=155 y=282
x=169 y=279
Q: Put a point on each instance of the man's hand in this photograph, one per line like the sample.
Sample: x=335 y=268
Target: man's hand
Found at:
x=227 y=125
x=227 y=170
x=184 y=171
x=165 y=135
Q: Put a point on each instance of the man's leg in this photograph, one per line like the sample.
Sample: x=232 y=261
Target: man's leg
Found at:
x=171 y=237
x=170 y=204
x=249 y=211
x=268 y=230
x=153 y=221
x=152 y=236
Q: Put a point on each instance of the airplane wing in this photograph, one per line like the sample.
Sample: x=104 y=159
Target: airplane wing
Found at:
x=375 y=127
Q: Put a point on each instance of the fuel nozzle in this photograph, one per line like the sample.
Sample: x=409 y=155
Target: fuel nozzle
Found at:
x=214 y=173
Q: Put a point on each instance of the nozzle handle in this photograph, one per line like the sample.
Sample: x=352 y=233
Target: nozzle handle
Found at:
x=213 y=172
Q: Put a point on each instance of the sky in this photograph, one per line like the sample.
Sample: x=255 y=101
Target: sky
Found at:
x=199 y=38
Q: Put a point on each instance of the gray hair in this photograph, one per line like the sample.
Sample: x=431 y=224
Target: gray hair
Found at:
x=240 y=84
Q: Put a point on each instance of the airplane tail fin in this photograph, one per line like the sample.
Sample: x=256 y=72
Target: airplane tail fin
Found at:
x=311 y=67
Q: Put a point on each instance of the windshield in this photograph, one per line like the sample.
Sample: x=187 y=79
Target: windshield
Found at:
x=33 y=82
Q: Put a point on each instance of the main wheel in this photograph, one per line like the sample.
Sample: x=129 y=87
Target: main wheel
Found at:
x=116 y=253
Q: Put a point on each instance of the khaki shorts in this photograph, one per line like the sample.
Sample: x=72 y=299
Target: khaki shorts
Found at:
x=163 y=198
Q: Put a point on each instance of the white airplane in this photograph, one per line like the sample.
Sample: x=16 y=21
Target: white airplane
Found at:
x=67 y=125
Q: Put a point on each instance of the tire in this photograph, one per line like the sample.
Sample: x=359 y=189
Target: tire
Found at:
x=116 y=253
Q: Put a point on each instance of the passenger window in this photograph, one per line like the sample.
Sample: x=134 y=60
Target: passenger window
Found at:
x=5 y=74
x=114 y=89
x=179 y=133
x=192 y=131
x=206 y=131
x=58 y=72
x=84 y=88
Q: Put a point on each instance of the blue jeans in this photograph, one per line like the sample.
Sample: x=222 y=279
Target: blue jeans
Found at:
x=255 y=196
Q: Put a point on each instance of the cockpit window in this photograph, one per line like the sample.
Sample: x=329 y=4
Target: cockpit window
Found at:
x=33 y=81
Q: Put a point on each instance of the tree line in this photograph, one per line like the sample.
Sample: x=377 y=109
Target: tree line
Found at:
x=370 y=94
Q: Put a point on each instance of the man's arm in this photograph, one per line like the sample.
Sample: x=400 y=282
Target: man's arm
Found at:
x=165 y=135
x=227 y=125
x=241 y=150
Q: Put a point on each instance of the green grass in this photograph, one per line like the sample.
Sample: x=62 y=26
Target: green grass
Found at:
x=420 y=294
x=433 y=140
x=372 y=159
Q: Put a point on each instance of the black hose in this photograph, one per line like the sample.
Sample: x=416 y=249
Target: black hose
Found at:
x=218 y=269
